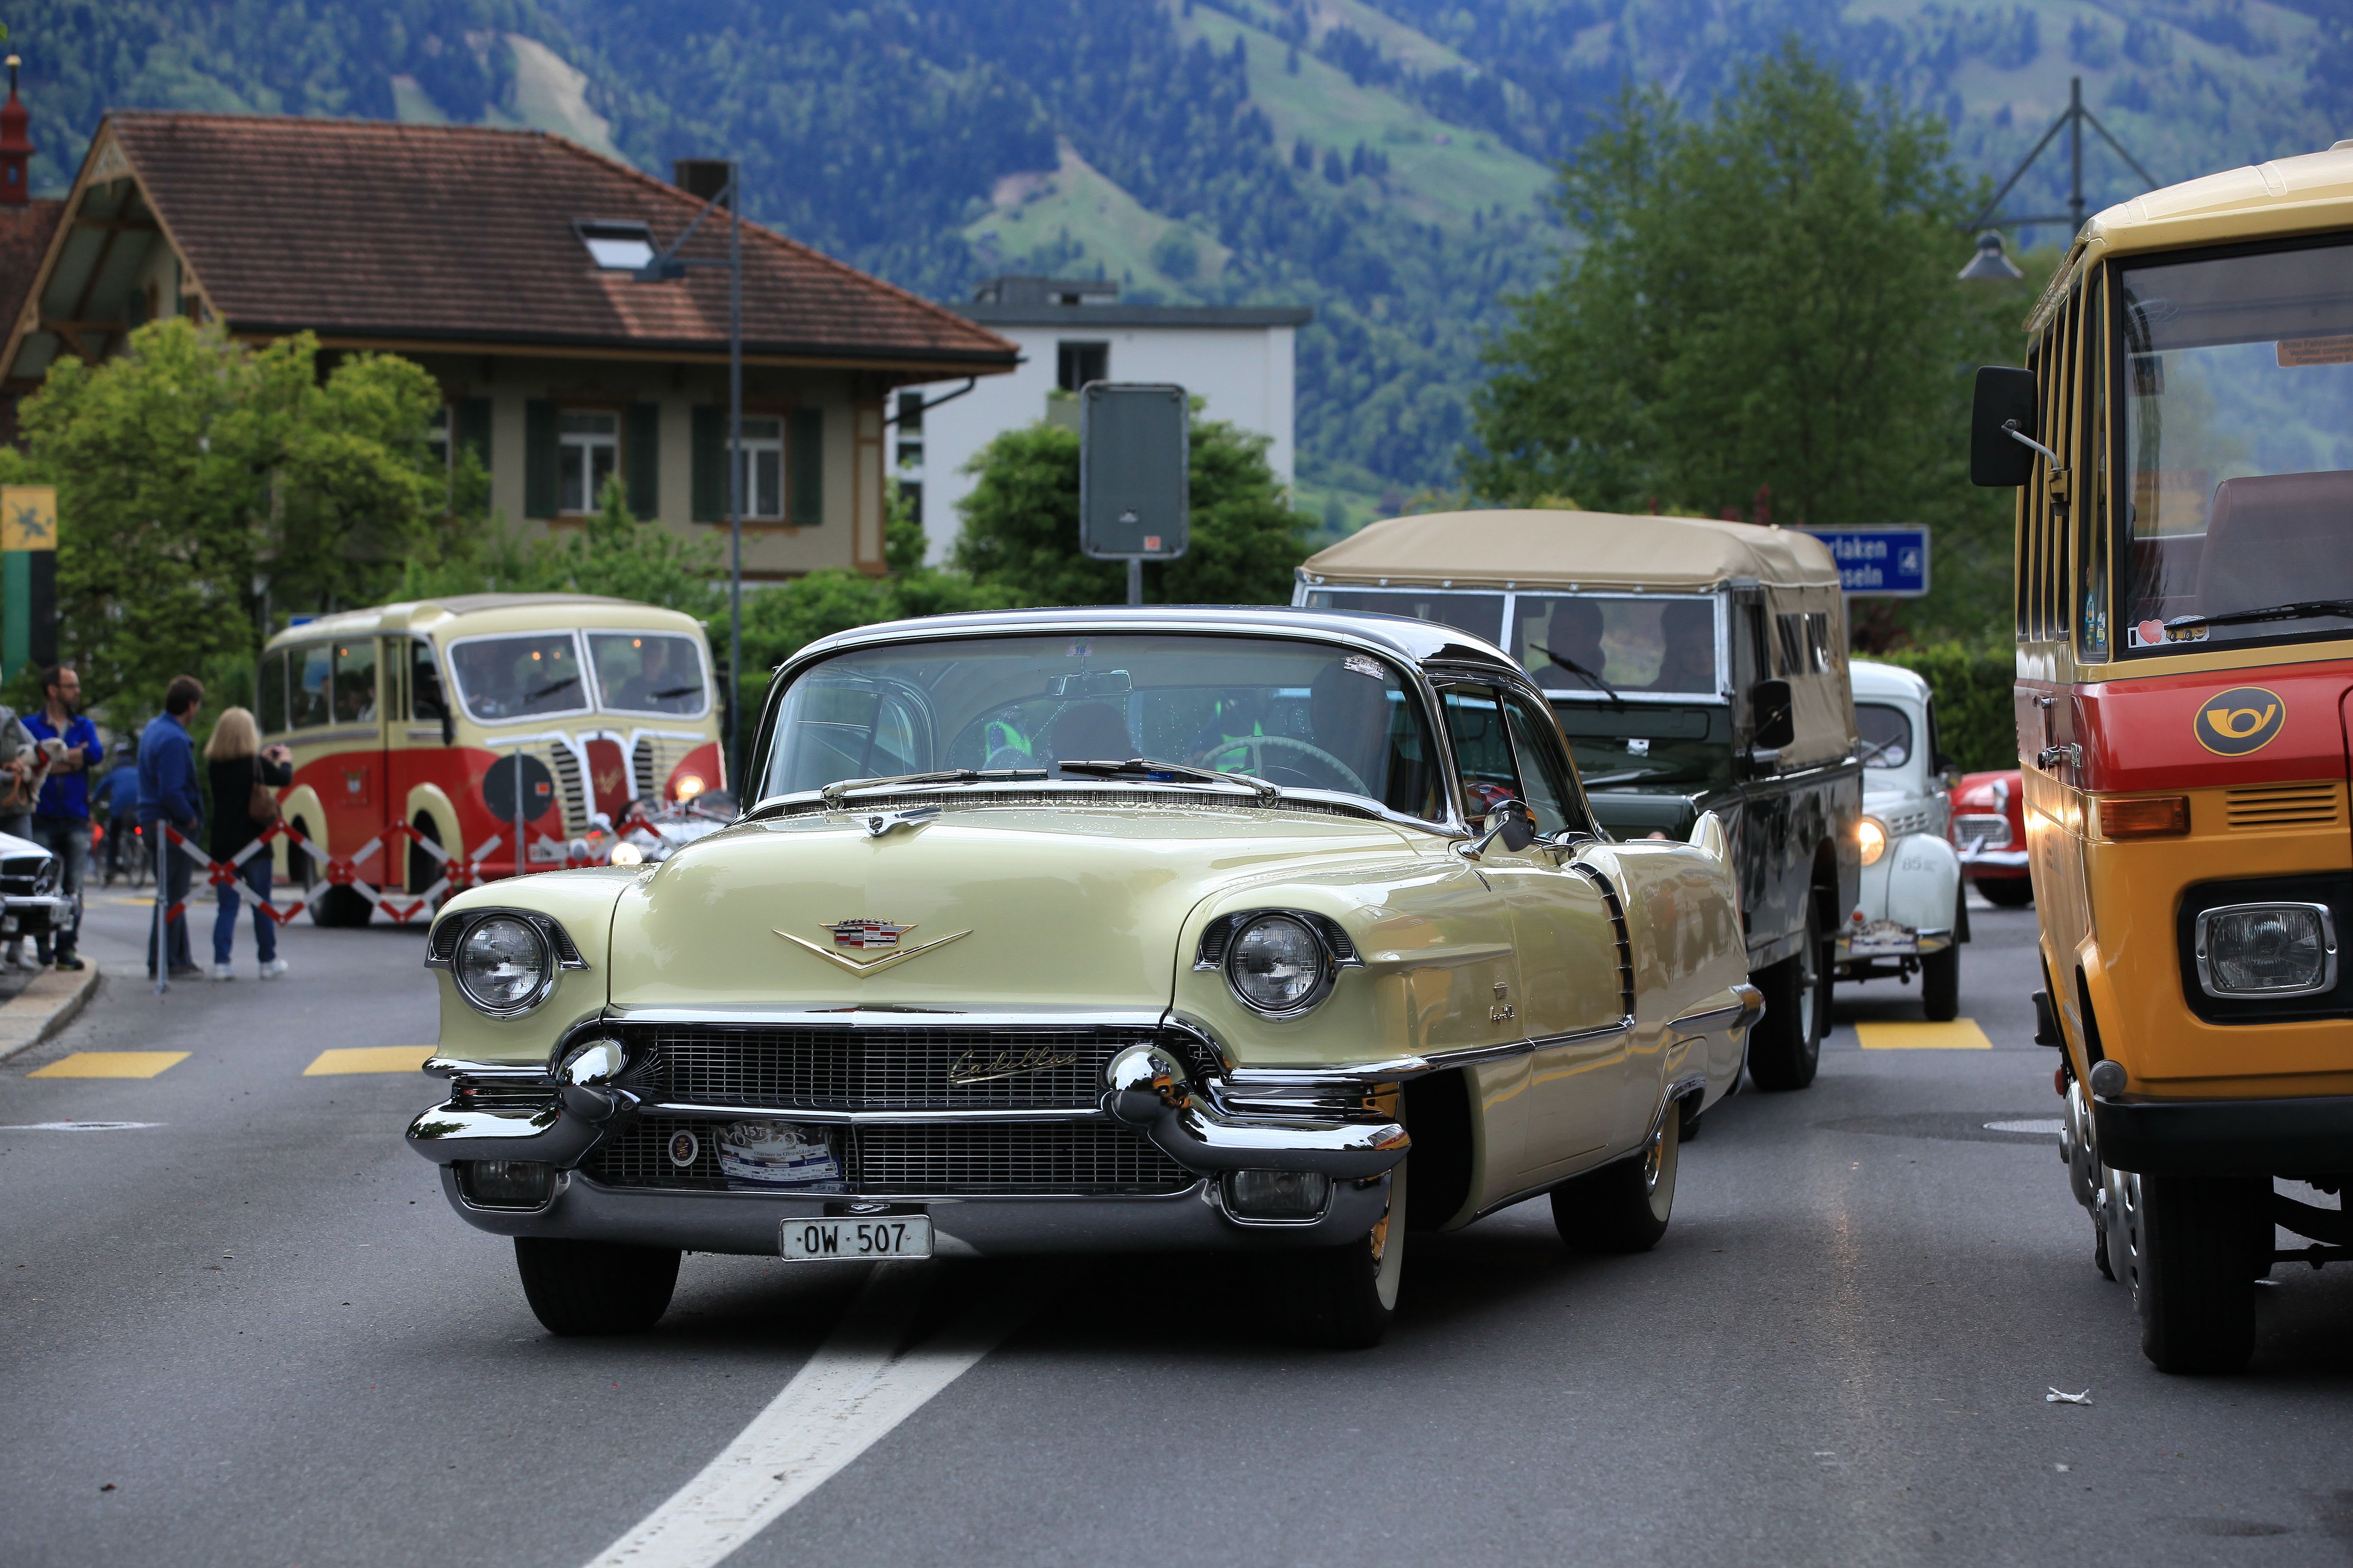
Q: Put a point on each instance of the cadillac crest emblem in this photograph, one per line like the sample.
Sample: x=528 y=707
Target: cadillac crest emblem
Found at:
x=865 y=935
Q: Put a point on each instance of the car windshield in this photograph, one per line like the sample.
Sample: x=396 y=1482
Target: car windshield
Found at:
x=1302 y=715
x=647 y=672
x=2238 y=395
x=519 y=677
x=1883 y=736
x=1631 y=642
x=1647 y=743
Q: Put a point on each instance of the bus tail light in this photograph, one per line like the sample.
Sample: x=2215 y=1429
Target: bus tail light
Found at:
x=2146 y=816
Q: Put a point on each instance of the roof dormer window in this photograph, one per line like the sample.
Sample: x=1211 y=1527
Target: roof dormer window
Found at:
x=617 y=245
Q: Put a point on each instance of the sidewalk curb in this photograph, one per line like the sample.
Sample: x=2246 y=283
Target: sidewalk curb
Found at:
x=48 y=1003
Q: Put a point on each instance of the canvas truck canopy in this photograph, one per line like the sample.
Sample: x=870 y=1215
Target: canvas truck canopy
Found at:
x=1487 y=571
x=1557 y=549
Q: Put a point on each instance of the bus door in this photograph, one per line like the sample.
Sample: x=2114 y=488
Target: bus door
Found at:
x=353 y=786
x=418 y=756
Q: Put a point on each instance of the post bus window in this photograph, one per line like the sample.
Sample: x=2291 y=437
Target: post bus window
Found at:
x=648 y=672
x=2091 y=596
x=519 y=677
x=2069 y=446
x=354 y=690
x=272 y=694
x=2022 y=564
x=425 y=696
x=1635 y=642
x=2238 y=428
x=312 y=663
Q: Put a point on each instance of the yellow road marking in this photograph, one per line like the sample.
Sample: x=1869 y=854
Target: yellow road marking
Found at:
x=110 y=1064
x=143 y=903
x=1961 y=1034
x=369 y=1059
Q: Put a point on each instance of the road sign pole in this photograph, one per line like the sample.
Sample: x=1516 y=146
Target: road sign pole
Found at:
x=1135 y=580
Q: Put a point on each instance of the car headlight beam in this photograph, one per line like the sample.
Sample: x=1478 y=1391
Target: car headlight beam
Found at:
x=1871 y=834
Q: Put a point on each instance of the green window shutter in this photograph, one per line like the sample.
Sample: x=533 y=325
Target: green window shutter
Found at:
x=542 y=459
x=805 y=467
x=474 y=426
x=643 y=458
x=710 y=464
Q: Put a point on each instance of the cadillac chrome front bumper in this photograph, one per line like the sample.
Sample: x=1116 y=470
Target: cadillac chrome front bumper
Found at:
x=513 y=1113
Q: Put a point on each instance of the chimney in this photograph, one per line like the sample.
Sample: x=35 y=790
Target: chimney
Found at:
x=15 y=146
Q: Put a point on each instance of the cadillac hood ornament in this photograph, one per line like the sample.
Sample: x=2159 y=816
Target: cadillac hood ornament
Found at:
x=851 y=937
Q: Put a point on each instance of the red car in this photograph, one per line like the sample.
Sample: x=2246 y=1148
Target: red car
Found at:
x=1988 y=829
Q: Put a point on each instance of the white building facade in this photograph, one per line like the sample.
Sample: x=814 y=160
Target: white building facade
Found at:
x=1240 y=360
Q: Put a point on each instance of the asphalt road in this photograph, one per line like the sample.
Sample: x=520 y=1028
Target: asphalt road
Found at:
x=251 y=1334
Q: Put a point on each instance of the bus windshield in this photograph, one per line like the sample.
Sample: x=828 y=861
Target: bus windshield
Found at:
x=1298 y=714
x=648 y=672
x=520 y=676
x=2238 y=401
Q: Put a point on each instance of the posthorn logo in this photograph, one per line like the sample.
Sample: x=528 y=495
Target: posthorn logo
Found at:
x=2239 y=721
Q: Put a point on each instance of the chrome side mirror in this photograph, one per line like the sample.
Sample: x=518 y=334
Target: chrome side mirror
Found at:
x=1508 y=823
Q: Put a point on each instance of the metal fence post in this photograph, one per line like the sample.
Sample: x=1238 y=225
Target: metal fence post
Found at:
x=163 y=957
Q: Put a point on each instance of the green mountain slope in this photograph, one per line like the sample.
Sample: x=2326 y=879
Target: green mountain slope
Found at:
x=1384 y=161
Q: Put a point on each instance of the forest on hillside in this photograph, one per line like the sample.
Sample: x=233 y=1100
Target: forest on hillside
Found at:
x=1318 y=150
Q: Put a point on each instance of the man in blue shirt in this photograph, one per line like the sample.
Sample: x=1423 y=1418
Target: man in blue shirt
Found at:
x=168 y=792
x=61 y=814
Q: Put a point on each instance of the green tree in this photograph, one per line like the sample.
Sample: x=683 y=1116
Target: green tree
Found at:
x=1021 y=525
x=1762 y=321
x=193 y=474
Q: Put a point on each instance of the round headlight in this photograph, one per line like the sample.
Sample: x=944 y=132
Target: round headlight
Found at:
x=503 y=965
x=1871 y=835
x=1275 y=964
x=686 y=786
x=628 y=854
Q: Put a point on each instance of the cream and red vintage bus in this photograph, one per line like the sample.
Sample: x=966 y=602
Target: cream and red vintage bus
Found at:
x=2182 y=441
x=397 y=715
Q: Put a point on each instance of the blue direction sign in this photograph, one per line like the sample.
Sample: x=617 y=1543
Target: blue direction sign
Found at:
x=1890 y=563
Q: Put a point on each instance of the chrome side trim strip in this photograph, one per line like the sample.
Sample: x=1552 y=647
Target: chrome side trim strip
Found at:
x=1396 y=1070
x=1748 y=1005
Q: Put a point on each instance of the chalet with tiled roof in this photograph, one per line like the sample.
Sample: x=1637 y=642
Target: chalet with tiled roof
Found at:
x=475 y=252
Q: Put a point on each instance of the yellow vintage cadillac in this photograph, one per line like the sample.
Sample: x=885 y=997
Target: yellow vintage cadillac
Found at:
x=1091 y=931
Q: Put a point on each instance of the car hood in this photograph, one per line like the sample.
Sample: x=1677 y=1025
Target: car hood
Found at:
x=1020 y=908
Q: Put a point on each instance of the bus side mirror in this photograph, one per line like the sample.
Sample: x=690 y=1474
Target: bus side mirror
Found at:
x=1774 y=721
x=449 y=729
x=2004 y=402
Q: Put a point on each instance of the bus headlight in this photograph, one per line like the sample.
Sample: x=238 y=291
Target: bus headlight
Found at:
x=1871 y=834
x=687 y=785
x=626 y=853
x=2267 y=950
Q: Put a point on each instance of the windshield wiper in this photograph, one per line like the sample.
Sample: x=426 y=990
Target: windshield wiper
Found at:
x=2180 y=626
x=1573 y=667
x=552 y=687
x=1144 y=767
x=839 y=787
x=675 y=691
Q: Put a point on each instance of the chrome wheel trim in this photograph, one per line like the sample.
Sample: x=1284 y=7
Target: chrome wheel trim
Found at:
x=1387 y=1244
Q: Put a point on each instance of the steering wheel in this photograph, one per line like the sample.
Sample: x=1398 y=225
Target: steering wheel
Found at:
x=1259 y=748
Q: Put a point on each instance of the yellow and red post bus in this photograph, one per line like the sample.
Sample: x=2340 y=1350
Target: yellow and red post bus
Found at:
x=2182 y=439
x=397 y=716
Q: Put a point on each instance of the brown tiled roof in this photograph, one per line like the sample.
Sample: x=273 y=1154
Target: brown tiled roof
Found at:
x=24 y=235
x=367 y=230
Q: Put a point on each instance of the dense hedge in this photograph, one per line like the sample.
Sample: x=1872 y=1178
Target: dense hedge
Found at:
x=1972 y=685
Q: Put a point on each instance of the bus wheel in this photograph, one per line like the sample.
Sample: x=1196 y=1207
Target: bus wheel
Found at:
x=341 y=907
x=2191 y=1270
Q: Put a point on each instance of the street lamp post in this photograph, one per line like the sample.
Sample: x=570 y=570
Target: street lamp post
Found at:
x=1990 y=264
x=668 y=266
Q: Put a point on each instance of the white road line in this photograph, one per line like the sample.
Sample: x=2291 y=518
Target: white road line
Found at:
x=852 y=1392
